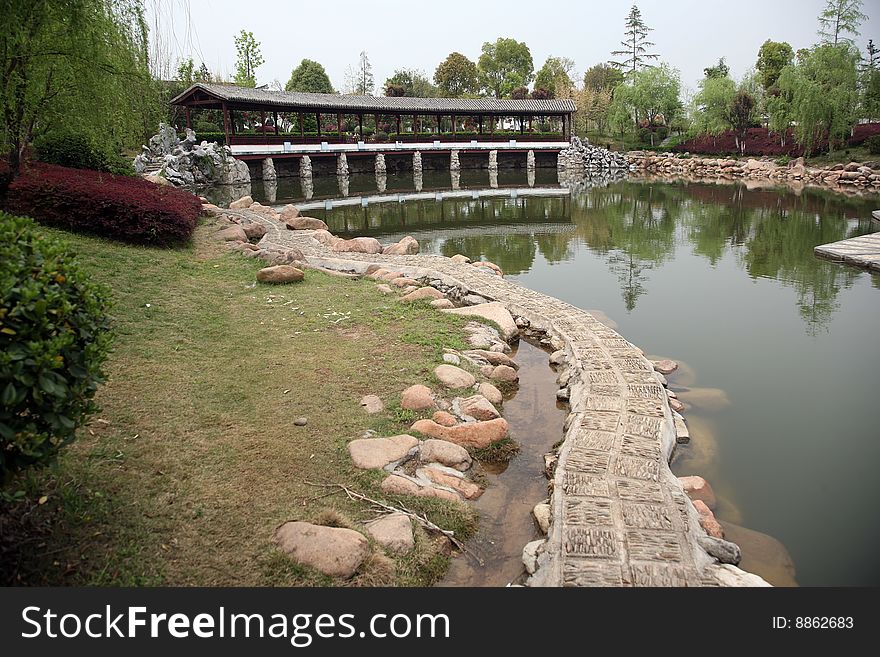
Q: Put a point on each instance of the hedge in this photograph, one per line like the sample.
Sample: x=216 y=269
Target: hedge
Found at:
x=54 y=339
x=118 y=207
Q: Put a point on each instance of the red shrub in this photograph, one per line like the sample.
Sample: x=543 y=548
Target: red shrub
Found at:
x=762 y=142
x=119 y=207
x=862 y=131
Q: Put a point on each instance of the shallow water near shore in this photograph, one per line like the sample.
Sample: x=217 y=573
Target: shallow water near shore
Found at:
x=779 y=371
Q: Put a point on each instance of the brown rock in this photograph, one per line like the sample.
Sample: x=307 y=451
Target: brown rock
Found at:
x=444 y=419
x=233 y=234
x=372 y=404
x=491 y=393
x=467 y=489
x=504 y=373
x=280 y=274
x=454 y=377
x=445 y=453
x=417 y=398
x=676 y=405
x=472 y=434
x=326 y=237
x=210 y=209
x=665 y=366
x=698 y=488
x=357 y=245
x=494 y=312
x=156 y=179
x=334 y=551
x=407 y=246
x=376 y=274
x=393 y=532
x=422 y=294
x=488 y=265
x=392 y=275
x=384 y=289
x=285 y=256
x=289 y=212
x=442 y=304
x=707 y=520
x=254 y=231
x=403 y=281
x=397 y=485
x=241 y=204
x=479 y=408
x=370 y=453
x=493 y=357
x=460 y=259
x=305 y=223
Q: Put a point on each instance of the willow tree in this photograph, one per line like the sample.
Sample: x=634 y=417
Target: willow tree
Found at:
x=78 y=66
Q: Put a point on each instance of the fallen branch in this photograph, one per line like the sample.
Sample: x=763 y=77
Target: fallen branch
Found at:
x=422 y=520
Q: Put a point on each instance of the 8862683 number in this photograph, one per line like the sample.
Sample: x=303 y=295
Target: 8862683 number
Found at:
x=823 y=622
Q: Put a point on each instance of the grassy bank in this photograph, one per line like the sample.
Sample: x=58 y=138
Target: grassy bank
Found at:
x=194 y=459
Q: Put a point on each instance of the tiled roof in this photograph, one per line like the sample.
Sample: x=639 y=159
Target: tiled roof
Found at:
x=298 y=100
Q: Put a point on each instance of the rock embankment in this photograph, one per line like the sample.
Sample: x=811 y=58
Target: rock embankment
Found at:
x=583 y=156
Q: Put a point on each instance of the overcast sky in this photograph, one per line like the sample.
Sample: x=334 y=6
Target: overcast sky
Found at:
x=689 y=34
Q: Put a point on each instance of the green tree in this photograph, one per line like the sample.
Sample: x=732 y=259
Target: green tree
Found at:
x=186 y=71
x=720 y=70
x=772 y=58
x=555 y=76
x=203 y=74
x=249 y=59
x=819 y=94
x=712 y=105
x=651 y=92
x=359 y=79
x=505 y=65
x=413 y=83
x=839 y=18
x=457 y=76
x=634 y=55
x=602 y=76
x=309 y=77
x=80 y=64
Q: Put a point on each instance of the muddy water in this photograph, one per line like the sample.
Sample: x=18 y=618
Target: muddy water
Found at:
x=512 y=490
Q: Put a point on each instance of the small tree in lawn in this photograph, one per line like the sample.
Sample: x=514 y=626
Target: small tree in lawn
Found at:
x=741 y=117
x=634 y=56
x=839 y=18
x=249 y=59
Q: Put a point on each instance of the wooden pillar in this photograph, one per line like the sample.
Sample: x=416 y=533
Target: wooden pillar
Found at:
x=188 y=118
x=530 y=122
x=453 y=126
x=376 y=126
x=263 y=123
x=226 y=122
x=361 y=125
x=275 y=118
x=480 y=120
x=522 y=125
x=438 y=125
x=491 y=124
x=318 y=118
x=398 y=124
x=302 y=126
x=339 y=127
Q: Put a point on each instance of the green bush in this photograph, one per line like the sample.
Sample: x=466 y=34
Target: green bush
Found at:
x=80 y=152
x=54 y=339
x=206 y=126
x=219 y=137
x=873 y=144
x=783 y=161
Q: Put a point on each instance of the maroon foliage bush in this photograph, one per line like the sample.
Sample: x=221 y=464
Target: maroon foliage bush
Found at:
x=762 y=142
x=118 y=207
x=862 y=132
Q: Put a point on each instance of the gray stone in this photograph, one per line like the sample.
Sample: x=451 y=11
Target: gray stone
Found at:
x=557 y=357
x=473 y=299
x=393 y=532
x=478 y=407
x=665 y=366
x=530 y=555
x=682 y=435
x=451 y=359
x=445 y=453
x=374 y=453
x=542 y=515
x=300 y=422
x=724 y=551
x=372 y=404
x=494 y=312
x=334 y=551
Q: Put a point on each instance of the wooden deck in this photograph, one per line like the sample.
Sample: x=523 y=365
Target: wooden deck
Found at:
x=861 y=251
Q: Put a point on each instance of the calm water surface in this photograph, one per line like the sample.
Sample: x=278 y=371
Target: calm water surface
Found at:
x=779 y=350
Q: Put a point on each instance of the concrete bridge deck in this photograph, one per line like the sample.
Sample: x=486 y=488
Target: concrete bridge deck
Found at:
x=861 y=251
x=259 y=151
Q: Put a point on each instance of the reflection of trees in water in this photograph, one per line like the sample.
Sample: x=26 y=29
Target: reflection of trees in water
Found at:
x=513 y=252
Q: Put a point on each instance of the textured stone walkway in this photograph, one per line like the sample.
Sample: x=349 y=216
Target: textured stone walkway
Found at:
x=619 y=515
x=861 y=251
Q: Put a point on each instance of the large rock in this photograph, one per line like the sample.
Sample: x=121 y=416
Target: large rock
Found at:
x=698 y=488
x=304 y=223
x=407 y=246
x=543 y=515
x=492 y=357
x=417 y=398
x=494 y=312
x=454 y=377
x=357 y=245
x=442 y=304
x=444 y=419
x=467 y=489
x=325 y=237
x=665 y=366
x=707 y=520
x=422 y=294
x=233 y=234
x=280 y=274
x=491 y=393
x=398 y=485
x=724 y=551
x=254 y=231
x=242 y=204
x=473 y=434
x=289 y=212
x=374 y=453
x=334 y=551
x=479 y=408
x=404 y=281
x=505 y=374
x=393 y=532
x=445 y=453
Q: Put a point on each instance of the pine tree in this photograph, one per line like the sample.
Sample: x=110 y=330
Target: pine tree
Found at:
x=838 y=18
x=635 y=45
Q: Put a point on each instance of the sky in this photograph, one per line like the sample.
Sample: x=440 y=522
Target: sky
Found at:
x=689 y=34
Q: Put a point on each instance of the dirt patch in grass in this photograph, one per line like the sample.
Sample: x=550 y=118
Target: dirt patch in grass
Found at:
x=194 y=459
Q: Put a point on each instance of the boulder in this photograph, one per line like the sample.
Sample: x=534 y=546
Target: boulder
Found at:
x=467 y=489
x=473 y=434
x=233 y=234
x=724 y=551
x=445 y=453
x=698 y=488
x=377 y=272
x=493 y=357
x=357 y=245
x=334 y=551
x=504 y=373
x=558 y=357
x=285 y=256
x=407 y=246
x=442 y=304
x=665 y=366
x=289 y=212
x=422 y=294
x=479 y=408
x=491 y=266
x=280 y=274
x=156 y=179
x=494 y=312
x=391 y=275
x=530 y=555
x=676 y=405
x=242 y=204
x=403 y=281
x=370 y=453
x=452 y=359
x=325 y=237
x=454 y=377
x=542 y=515
x=460 y=259
x=372 y=404
x=707 y=520
x=491 y=393
x=393 y=532
x=384 y=289
x=444 y=419
x=305 y=223
x=254 y=231
x=417 y=398
x=398 y=485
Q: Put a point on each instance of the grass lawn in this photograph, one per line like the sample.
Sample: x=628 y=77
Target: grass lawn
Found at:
x=844 y=156
x=194 y=459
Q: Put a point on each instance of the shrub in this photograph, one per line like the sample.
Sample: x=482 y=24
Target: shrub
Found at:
x=782 y=161
x=381 y=137
x=80 y=152
x=206 y=126
x=54 y=339
x=127 y=209
x=873 y=144
x=219 y=137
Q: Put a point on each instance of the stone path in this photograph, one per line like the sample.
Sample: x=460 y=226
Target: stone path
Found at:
x=861 y=251
x=619 y=515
